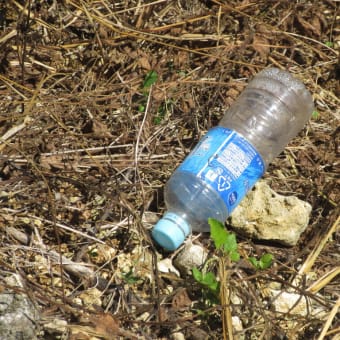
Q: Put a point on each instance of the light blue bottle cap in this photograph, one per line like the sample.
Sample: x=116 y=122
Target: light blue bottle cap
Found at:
x=170 y=231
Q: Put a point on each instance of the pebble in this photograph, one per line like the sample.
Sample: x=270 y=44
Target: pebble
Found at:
x=166 y=266
x=192 y=255
x=18 y=315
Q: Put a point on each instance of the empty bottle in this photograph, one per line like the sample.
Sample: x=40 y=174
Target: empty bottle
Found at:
x=230 y=158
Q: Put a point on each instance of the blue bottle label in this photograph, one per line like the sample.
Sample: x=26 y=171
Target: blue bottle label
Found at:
x=227 y=162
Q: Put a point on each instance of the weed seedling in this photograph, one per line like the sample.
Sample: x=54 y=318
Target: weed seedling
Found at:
x=149 y=80
x=129 y=277
x=315 y=114
x=264 y=262
x=219 y=288
x=223 y=240
x=226 y=246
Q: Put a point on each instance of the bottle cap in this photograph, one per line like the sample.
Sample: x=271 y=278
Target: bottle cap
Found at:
x=170 y=231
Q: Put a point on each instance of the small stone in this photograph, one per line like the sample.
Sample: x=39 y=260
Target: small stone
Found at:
x=144 y=317
x=265 y=215
x=191 y=256
x=290 y=303
x=56 y=326
x=149 y=219
x=295 y=304
x=178 y=336
x=91 y=297
x=18 y=314
x=235 y=299
x=237 y=325
x=166 y=266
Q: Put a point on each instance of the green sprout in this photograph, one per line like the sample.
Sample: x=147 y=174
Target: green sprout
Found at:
x=264 y=262
x=225 y=243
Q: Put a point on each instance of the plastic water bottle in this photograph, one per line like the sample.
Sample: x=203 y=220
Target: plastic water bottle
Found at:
x=230 y=158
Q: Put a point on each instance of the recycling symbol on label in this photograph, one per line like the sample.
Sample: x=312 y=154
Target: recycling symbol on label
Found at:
x=223 y=184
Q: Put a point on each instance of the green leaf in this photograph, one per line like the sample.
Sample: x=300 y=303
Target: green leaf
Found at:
x=129 y=277
x=161 y=112
x=234 y=256
x=207 y=280
x=315 y=114
x=150 y=79
x=214 y=287
x=217 y=232
x=266 y=261
x=230 y=244
x=197 y=274
x=254 y=262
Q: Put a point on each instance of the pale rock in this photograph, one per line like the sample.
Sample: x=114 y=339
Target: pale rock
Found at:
x=166 y=266
x=191 y=256
x=56 y=326
x=18 y=316
x=265 y=215
x=149 y=219
x=169 y=289
x=144 y=317
x=235 y=299
x=177 y=336
x=91 y=298
x=238 y=327
x=291 y=303
x=295 y=304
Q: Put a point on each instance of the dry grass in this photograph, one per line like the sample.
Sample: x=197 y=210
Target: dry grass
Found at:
x=82 y=162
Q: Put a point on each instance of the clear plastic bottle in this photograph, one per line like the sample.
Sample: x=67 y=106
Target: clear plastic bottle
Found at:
x=231 y=157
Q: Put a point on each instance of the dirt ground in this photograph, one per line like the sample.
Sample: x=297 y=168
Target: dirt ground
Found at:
x=86 y=145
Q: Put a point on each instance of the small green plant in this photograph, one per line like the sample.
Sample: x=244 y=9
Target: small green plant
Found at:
x=141 y=107
x=223 y=239
x=162 y=111
x=329 y=44
x=129 y=277
x=315 y=114
x=149 y=80
x=264 y=262
x=225 y=243
x=207 y=280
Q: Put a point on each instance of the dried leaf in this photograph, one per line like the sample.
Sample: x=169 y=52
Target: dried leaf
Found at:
x=261 y=45
x=316 y=23
x=58 y=161
x=105 y=325
x=101 y=130
x=79 y=336
x=310 y=28
x=181 y=59
x=163 y=314
x=181 y=299
x=144 y=63
x=158 y=95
